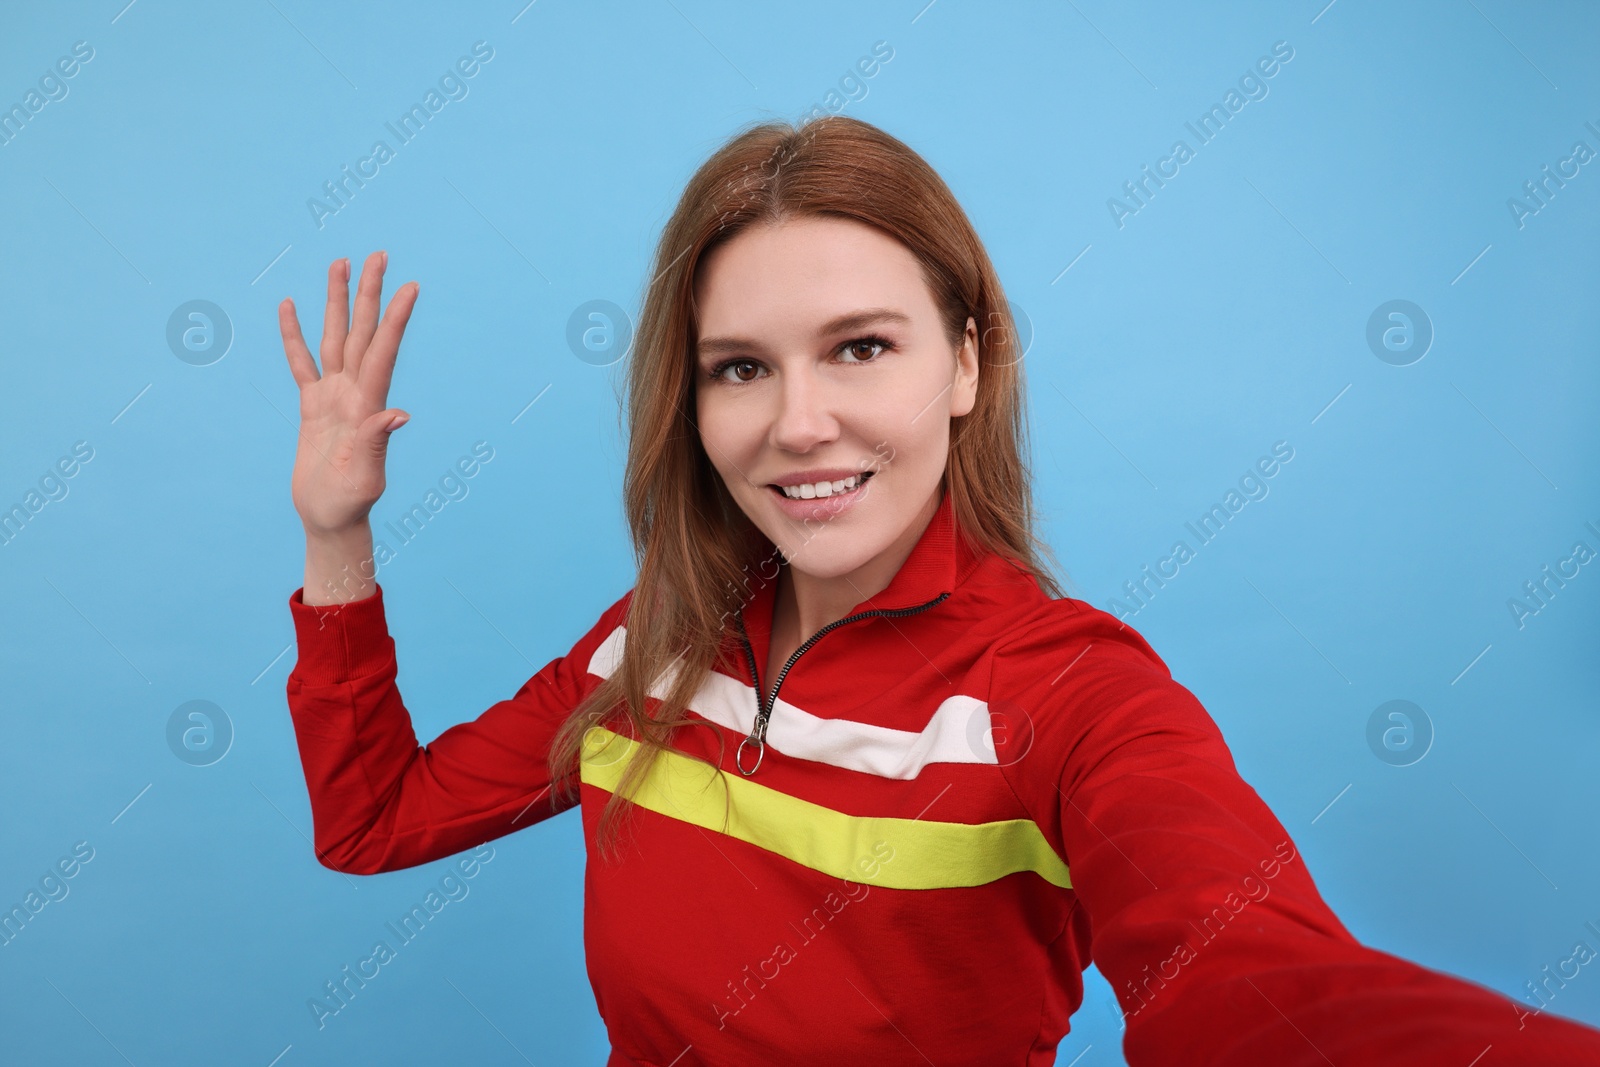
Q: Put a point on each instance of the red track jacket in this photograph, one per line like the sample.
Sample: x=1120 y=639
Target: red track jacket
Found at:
x=968 y=790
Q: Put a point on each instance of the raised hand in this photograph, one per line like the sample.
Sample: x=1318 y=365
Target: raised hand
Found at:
x=344 y=421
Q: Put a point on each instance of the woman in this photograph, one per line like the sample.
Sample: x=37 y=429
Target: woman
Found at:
x=885 y=790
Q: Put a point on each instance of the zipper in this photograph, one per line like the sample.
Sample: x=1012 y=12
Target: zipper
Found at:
x=758 y=733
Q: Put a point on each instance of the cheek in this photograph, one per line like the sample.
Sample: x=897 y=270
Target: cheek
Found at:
x=919 y=437
x=912 y=413
x=726 y=437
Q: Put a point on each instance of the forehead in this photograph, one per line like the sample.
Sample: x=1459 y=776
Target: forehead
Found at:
x=793 y=276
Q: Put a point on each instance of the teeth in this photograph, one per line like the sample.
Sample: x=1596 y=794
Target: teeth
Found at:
x=811 y=491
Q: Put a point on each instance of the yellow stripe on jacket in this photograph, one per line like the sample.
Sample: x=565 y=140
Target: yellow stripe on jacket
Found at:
x=927 y=855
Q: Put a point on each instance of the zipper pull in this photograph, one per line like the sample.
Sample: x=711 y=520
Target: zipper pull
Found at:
x=761 y=751
x=758 y=737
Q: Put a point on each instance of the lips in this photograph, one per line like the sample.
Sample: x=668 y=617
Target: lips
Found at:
x=819 y=474
x=822 y=508
x=862 y=476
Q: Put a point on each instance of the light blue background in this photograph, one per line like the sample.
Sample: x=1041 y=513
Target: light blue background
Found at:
x=1229 y=313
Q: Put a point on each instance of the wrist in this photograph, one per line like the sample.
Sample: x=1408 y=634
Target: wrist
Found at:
x=340 y=565
x=348 y=533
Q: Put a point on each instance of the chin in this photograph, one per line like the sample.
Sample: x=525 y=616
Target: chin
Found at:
x=822 y=549
x=816 y=561
x=826 y=553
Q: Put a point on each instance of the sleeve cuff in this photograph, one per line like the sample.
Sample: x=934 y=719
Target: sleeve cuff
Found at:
x=338 y=642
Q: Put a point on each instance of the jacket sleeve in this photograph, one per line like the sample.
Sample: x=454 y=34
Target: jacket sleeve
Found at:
x=380 y=801
x=1199 y=909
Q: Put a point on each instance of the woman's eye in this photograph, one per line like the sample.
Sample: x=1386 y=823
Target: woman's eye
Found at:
x=720 y=371
x=869 y=342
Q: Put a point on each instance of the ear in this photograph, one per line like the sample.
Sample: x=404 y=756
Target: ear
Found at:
x=964 y=391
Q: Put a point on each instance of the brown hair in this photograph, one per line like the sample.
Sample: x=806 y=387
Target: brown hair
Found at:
x=694 y=545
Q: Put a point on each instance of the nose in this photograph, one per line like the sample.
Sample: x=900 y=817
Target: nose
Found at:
x=805 y=416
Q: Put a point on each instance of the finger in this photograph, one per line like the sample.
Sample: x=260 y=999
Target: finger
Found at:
x=336 y=319
x=301 y=365
x=374 y=431
x=366 y=316
x=378 y=364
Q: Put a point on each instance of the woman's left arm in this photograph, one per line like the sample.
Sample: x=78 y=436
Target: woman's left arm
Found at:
x=1202 y=914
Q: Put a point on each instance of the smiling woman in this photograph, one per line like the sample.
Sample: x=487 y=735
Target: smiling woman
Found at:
x=821 y=399
x=908 y=683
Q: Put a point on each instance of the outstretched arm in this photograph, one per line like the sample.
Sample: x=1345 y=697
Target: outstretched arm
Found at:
x=1202 y=914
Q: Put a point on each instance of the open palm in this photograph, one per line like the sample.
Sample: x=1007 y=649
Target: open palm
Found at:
x=344 y=419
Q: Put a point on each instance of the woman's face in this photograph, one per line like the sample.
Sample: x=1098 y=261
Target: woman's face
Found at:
x=822 y=358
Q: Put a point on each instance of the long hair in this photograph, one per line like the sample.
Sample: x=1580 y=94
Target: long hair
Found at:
x=693 y=544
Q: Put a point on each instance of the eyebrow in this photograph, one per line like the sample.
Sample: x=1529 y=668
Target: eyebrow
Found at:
x=710 y=346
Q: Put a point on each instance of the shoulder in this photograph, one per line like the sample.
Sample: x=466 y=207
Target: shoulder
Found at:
x=617 y=613
x=1040 y=647
x=1066 y=634
x=604 y=631
x=1083 y=685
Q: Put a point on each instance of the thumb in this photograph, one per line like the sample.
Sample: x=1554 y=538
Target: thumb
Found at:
x=375 y=431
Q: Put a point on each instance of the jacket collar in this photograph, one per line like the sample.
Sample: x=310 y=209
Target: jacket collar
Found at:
x=936 y=564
